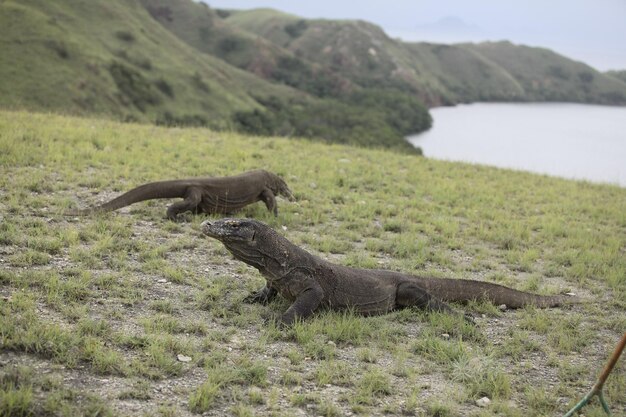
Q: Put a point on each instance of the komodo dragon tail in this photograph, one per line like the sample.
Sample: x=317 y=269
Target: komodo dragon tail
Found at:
x=465 y=290
x=150 y=191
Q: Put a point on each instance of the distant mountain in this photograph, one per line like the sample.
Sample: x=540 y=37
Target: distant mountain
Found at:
x=437 y=73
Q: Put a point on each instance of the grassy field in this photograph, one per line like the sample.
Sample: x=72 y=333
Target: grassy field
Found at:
x=130 y=314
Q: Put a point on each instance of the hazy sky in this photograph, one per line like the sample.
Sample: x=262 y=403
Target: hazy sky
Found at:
x=593 y=31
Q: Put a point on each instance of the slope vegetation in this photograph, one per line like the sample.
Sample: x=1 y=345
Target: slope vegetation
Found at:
x=262 y=72
x=619 y=74
x=547 y=76
x=140 y=61
x=111 y=58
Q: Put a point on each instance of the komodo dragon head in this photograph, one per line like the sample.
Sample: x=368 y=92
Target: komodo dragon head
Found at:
x=250 y=241
x=279 y=186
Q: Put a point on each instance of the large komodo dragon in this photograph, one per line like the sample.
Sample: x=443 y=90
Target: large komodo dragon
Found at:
x=209 y=195
x=310 y=282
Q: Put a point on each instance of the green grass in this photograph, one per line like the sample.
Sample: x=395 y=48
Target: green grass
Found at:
x=123 y=296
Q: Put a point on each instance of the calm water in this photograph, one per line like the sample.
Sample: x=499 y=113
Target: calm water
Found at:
x=565 y=140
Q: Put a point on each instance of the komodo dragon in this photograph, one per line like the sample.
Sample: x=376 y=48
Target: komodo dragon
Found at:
x=208 y=195
x=310 y=282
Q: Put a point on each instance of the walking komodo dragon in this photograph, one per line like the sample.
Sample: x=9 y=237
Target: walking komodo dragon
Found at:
x=209 y=195
x=310 y=282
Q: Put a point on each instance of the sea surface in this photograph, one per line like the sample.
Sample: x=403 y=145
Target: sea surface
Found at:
x=566 y=140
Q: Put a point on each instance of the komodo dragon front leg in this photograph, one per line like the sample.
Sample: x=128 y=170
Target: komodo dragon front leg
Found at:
x=264 y=296
x=306 y=292
x=190 y=203
x=306 y=303
x=268 y=197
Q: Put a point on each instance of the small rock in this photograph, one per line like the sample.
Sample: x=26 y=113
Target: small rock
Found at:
x=483 y=402
x=571 y=294
x=206 y=269
x=313 y=185
x=344 y=161
x=445 y=336
x=184 y=358
x=284 y=227
x=502 y=307
x=331 y=343
x=162 y=281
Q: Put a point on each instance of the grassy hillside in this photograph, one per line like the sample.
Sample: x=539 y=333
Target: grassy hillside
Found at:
x=621 y=75
x=439 y=74
x=113 y=59
x=262 y=72
x=118 y=60
x=464 y=74
x=202 y=28
x=547 y=76
x=95 y=311
x=357 y=50
x=345 y=112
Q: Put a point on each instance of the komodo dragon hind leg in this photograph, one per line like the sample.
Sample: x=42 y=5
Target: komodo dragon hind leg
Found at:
x=270 y=201
x=409 y=294
x=190 y=203
x=264 y=296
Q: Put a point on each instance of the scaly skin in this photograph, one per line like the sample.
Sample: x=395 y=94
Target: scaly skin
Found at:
x=209 y=195
x=310 y=282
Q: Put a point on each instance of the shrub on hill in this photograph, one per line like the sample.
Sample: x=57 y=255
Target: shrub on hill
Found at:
x=133 y=86
x=371 y=118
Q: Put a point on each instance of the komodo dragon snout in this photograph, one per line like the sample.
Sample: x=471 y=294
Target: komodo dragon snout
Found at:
x=229 y=230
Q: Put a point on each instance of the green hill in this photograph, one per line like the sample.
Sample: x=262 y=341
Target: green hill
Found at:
x=619 y=74
x=111 y=58
x=439 y=74
x=345 y=112
x=203 y=28
x=463 y=75
x=129 y=314
x=262 y=71
x=547 y=76
x=118 y=60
